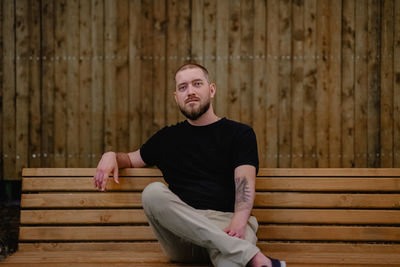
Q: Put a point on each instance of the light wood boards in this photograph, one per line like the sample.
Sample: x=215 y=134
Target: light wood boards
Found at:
x=306 y=216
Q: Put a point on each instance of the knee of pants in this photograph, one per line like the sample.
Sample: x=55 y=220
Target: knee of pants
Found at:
x=152 y=196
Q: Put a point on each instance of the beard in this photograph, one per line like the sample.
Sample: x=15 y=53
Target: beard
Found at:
x=195 y=113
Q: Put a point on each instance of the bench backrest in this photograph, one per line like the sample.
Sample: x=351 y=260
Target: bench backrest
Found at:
x=61 y=209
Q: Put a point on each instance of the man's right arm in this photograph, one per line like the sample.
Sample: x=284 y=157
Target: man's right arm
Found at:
x=111 y=162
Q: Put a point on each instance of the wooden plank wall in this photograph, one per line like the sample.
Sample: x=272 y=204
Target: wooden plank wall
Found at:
x=319 y=80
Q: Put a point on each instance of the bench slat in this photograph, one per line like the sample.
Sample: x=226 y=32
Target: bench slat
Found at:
x=102 y=216
x=44 y=184
x=85 y=233
x=266 y=232
x=300 y=200
x=309 y=247
x=90 y=172
x=299 y=216
x=346 y=184
x=321 y=216
x=320 y=200
x=330 y=172
x=328 y=233
x=262 y=184
x=81 y=200
x=136 y=259
x=270 y=172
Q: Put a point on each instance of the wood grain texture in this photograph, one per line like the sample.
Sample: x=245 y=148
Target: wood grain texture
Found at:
x=348 y=87
x=137 y=183
x=325 y=214
x=317 y=80
x=396 y=81
x=8 y=93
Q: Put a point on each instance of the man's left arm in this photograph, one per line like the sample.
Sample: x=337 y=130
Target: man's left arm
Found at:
x=245 y=179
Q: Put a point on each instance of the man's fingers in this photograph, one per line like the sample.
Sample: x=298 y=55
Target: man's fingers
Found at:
x=104 y=182
x=97 y=179
x=116 y=175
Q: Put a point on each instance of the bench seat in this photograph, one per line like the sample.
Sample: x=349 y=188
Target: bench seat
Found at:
x=307 y=217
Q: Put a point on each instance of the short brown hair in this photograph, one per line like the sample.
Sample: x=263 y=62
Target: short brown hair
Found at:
x=192 y=65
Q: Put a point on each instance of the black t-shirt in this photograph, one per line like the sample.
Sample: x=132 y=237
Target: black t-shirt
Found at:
x=198 y=162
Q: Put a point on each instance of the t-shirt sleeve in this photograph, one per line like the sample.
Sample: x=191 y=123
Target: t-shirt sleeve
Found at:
x=150 y=150
x=245 y=150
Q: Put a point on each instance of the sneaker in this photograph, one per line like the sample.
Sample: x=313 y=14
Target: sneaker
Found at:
x=276 y=263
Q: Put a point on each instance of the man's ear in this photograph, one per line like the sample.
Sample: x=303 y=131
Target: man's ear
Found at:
x=213 y=89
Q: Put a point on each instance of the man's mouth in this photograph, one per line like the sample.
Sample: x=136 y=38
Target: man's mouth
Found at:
x=190 y=100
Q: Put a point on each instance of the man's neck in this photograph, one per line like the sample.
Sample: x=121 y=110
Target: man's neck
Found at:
x=206 y=119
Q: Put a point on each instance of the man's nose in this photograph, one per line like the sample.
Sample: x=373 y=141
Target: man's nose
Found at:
x=190 y=90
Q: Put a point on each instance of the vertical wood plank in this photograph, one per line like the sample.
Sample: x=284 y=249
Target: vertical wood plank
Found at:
x=374 y=46
x=60 y=82
x=73 y=97
x=48 y=67
x=210 y=37
x=85 y=83
x=172 y=57
x=297 y=85
x=360 y=90
x=184 y=31
x=348 y=84
x=396 y=89
x=9 y=92
x=22 y=84
x=246 y=51
x=335 y=31
x=234 y=61
x=110 y=52
x=322 y=109
x=310 y=83
x=386 y=105
x=147 y=73
x=197 y=31
x=272 y=84
x=159 y=65
x=183 y=36
x=135 y=94
x=34 y=149
x=1 y=91
x=97 y=83
x=222 y=57
x=122 y=75
x=285 y=68
x=258 y=82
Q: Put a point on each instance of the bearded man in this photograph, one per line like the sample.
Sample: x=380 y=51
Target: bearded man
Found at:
x=210 y=166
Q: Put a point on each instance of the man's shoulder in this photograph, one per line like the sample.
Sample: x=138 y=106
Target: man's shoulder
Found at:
x=170 y=130
x=236 y=124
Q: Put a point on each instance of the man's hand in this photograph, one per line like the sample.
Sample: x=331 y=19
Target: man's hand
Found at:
x=107 y=164
x=237 y=228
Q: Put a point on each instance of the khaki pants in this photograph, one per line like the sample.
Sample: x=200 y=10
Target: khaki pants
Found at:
x=190 y=235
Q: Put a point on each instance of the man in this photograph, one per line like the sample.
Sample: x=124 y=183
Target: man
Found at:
x=210 y=166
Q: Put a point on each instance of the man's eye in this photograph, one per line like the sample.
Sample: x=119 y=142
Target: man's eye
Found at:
x=182 y=88
x=197 y=84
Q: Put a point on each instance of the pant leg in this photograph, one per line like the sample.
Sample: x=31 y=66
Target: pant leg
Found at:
x=176 y=248
x=222 y=220
x=168 y=211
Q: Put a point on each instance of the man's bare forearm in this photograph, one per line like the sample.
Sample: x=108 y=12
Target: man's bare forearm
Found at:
x=244 y=196
x=123 y=160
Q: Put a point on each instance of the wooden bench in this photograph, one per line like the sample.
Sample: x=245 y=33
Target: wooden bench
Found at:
x=308 y=217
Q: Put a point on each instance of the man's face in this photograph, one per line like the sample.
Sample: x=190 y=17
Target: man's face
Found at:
x=193 y=92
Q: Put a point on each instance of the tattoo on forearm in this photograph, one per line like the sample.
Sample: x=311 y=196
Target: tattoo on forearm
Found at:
x=243 y=194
